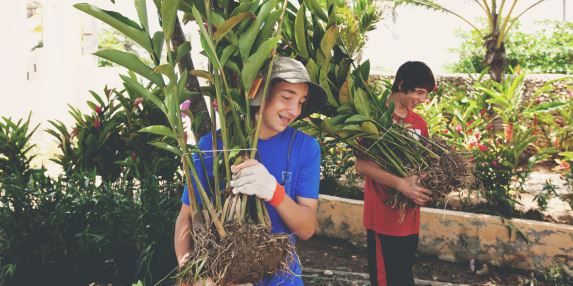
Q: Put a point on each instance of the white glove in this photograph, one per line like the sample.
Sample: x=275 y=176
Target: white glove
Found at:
x=252 y=178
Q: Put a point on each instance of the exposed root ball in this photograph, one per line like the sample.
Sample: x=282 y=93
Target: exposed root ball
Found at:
x=452 y=170
x=247 y=254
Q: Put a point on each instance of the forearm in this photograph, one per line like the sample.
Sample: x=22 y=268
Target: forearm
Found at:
x=300 y=218
x=181 y=239
x=376 y=173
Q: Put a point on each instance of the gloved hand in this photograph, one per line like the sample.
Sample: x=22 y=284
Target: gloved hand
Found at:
x=252 y=178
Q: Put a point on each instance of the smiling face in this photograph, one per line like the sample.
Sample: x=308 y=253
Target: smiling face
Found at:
x=413 y=98
x=283 y=107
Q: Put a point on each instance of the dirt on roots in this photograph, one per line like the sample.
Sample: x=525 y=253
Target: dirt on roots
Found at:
x=247 y=254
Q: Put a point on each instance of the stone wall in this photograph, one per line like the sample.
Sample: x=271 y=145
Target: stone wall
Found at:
x=532 y=81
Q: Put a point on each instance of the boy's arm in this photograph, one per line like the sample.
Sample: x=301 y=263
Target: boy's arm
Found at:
x=299 y=216
x=407 y=186
x=182 y=239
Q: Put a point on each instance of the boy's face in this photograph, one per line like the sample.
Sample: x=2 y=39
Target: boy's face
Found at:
x=413 y=98
x=283 y=108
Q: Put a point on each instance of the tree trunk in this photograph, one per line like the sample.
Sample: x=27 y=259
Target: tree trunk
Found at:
x=198 y=104
x=495 y=59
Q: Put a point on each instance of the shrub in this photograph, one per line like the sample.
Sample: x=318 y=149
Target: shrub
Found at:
x=72 y=230
x=108 y=140
x=548 y=50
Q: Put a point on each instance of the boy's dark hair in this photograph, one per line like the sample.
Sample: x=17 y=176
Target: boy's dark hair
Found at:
x=412 y=75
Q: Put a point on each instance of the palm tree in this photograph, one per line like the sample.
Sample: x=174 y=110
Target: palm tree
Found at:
x=498 y=25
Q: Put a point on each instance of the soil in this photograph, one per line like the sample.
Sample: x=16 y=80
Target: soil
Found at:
x=348 y=265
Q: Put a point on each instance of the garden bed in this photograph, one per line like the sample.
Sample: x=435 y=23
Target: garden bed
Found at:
x=460 y=236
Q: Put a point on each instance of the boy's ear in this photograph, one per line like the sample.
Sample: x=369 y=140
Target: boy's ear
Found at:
x=400 y=86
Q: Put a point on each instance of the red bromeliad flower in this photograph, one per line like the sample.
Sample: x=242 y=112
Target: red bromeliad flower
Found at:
x=482 y=112
x=445 y=131
x=482 y=147
x=215 y=105
x=98 y=109
x=138 y=101
x=489 y=127
x=472 y=145
x=494 y=164
x=477 y=135
x=469 y=123
x=96 y=123
x=459 y=128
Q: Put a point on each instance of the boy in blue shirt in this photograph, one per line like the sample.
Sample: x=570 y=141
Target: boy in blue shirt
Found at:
x=286 y=173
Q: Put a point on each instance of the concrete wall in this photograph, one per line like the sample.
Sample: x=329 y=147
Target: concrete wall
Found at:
x=459 y=236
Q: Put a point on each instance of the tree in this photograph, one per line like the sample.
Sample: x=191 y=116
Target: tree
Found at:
x=498 y=26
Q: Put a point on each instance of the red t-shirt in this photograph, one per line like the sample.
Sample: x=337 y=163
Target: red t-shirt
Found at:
x=381 y=218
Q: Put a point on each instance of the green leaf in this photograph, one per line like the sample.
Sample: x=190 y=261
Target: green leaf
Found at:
x=183 y=50
x=166 y=69
x=202 y=74
x=118 y=22
x=316 y=9
x=248 y=38
x=166 y=147
x=141 y=8
x=300 y=32
x=145 y=93
x=157 y=43
x=357 y=118
x=253 y=64
x=206 y=42
x=159 y=130
x=229 y=24
x=323 y=80
x=132 y=63
x=328 y=41
x=227 y=53
x=168 y=16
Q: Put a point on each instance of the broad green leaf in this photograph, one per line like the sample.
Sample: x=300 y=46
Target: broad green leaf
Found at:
x=229 y=24
x=328 y=41
x=357 y=118
x=268 y=28
x=97 y=97
x=166 y=69
x=157 y=43
x=144 y=92
x=254 y=63
x=316 y=9
x=248 y=38
x=313 y=70
x=141 y=8
x=132 y=63
x=168 y=16
x=159 y=130
x=183 y=50
x=166 y=147
x=202 y=74
x=118 y=22
x=227 y=53
x=300 y=31
x=323 y=81
x=206 y=42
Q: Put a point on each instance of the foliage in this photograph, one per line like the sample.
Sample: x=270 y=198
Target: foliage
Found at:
x=74 y=230
x=337 y=169
x=15 y=148
x=500 y=157
x=542 y=198
x=354 y=22
x=108 y=140
x=559 y=274
x=111 y=39
x=547 y=50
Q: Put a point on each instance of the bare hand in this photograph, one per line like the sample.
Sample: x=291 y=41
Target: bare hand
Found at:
x=409 y=187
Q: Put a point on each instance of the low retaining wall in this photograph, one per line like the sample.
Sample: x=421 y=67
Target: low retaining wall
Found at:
x=460 y=236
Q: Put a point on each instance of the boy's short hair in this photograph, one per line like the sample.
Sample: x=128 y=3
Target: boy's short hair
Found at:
x=412 y=75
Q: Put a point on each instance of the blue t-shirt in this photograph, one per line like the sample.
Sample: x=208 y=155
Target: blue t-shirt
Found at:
x=299 y=173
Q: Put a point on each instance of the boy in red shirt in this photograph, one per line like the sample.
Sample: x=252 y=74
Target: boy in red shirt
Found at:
x=392 y=244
